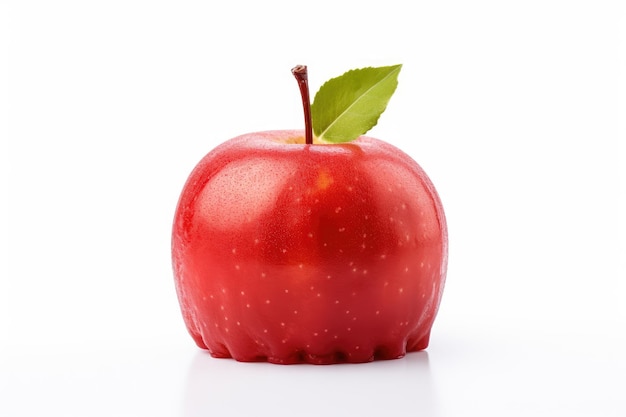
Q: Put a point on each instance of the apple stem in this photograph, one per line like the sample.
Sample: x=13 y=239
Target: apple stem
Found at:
x=300 y=72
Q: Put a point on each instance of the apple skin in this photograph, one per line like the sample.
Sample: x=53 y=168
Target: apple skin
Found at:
x=323 y=253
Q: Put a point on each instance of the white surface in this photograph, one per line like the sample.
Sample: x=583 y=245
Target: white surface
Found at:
x=511 y=107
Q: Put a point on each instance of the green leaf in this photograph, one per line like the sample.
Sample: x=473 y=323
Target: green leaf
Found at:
x=348 y=106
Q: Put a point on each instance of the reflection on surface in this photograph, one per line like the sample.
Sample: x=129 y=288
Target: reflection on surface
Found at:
x=384 y=388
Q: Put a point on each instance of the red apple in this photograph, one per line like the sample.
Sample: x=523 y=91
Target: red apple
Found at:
x=287 y=251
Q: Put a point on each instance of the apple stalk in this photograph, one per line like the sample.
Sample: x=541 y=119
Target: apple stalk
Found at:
x=300 y=72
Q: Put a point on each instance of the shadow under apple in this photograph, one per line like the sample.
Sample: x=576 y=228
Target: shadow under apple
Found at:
x=226 y=387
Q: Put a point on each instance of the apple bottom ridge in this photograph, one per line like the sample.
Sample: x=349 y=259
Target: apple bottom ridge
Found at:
x=302 y=356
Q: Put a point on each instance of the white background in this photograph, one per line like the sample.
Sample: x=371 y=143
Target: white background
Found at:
x=513 y=108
